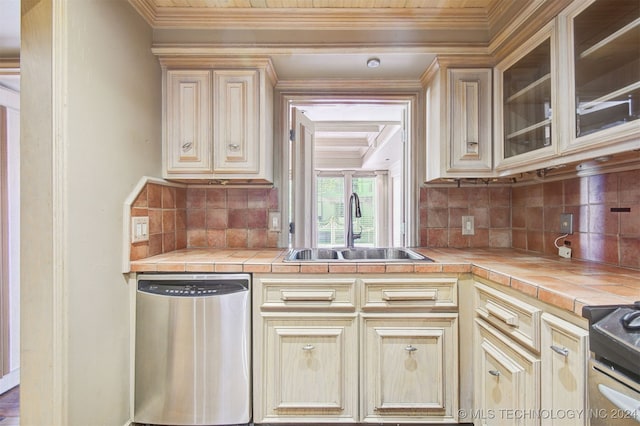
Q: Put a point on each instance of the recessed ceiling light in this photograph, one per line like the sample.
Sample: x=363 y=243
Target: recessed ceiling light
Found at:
x=373 y=62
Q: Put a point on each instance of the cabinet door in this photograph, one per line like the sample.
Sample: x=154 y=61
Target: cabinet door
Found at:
x=470 y=120
x=410 y=368
x=309 y=370
x=564 y=356
x=525 y=100
x=506 y=380
x=187 y=145
x=236 y=121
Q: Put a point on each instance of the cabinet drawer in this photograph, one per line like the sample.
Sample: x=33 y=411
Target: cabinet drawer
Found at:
x=513 y=317
x=304 y=294
x=408 y=293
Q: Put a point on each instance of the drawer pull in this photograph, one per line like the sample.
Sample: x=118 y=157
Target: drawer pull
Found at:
x=234 y=147
x=494 y=373
x=410 y=348
x=559 y=350
x=307 y=296
x=502 y=314
x=394 y=295
x=308 y=347
x=187 y=146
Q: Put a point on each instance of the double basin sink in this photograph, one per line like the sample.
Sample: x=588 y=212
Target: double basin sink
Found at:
x=364 y=254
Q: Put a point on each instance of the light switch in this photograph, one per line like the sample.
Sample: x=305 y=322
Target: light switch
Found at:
x=139 y=229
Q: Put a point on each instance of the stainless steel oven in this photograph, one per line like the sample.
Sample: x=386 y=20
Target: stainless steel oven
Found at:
x=614 y=368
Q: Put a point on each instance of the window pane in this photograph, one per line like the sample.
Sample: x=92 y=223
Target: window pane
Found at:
x=330 y=225
x=365 y=187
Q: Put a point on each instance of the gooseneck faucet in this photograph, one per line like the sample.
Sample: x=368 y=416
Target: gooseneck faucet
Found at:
x=351 y=236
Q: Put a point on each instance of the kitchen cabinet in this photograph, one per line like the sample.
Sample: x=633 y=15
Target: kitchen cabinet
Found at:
x=409 y=347
x=352 y=348
x=187 y=147
x=458 y=120
x=603 y=74
x=218 y=121
x=525 y=97
x=311 y=368
x=564 y=357
x=409 y=368
x=530 y=365
x=306 y=349
x=506 y=379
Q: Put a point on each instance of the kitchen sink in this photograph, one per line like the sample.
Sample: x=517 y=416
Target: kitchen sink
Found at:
x=364 y=254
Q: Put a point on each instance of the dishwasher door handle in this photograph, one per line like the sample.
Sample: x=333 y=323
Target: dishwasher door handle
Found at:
x=629 y=405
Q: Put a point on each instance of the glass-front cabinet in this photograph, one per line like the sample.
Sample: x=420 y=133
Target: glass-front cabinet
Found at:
x=605 y=62
x=607 y=65
x=524 y=101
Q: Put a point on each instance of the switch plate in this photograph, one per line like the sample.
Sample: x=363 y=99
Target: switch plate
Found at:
x=274 y=221
x=566 y=223
x=139 y=229
x=468 y=227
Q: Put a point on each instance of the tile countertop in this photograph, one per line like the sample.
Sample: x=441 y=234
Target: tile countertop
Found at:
x=568 y=284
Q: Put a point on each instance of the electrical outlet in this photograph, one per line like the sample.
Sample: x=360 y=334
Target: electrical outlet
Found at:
x=566 y=223
x=274 y=221
x=468 y=225
x=139 y=229
x=564 y=252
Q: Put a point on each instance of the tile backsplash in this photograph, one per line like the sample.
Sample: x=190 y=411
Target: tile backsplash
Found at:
x=605 y=208
x=442 y=208
x=600 y=232
x=527 y=216
x=195 y=217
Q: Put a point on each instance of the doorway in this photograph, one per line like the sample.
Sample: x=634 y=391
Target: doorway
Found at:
x=344 y=145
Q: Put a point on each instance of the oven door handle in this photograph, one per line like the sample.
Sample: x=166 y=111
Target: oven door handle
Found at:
x=629 y=405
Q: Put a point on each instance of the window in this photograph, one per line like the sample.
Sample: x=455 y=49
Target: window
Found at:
x=333 y=192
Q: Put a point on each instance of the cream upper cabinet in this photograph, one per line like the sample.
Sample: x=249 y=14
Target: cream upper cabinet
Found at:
x=187 y=147
x=525 y=101
x=564 y=357
x=458 y=121
x=602 y=61
x=218 y=120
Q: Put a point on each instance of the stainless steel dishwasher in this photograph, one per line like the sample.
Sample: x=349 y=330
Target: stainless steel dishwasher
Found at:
x=192 y=350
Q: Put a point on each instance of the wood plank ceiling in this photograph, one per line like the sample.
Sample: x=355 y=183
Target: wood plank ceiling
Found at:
x=330 y=14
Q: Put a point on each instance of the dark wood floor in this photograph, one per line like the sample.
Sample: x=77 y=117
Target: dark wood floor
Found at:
x=10 y=403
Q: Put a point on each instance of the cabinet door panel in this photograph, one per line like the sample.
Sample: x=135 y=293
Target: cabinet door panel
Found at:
x=506 y=380
x=410 y=367
x=236 y=139
x=310 y=368
x=470 y=122
x=564 y=356
x=188 y=122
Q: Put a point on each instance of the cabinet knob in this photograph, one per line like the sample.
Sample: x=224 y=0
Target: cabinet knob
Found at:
x=495 y=373
x=559 y=350
x=410 y=348
x=308 y=347
x=233 y=147
x=187 y=146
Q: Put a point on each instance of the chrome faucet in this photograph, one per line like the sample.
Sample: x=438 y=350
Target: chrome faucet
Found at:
x=351 y=236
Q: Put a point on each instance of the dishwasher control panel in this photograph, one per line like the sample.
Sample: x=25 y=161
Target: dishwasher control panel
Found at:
x=192 y=286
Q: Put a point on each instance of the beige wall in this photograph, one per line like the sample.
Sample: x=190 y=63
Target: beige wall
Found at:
x=75 y=322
